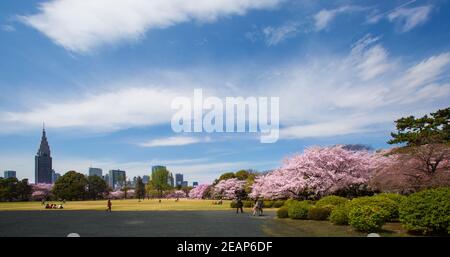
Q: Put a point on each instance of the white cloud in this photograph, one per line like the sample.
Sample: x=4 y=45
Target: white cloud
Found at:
x=173 y=141
x=81 y=25
x=362 y=92
x=319 y=96
x=276 y=35
x=107 y=111
x=324 y=17
x=409 y=18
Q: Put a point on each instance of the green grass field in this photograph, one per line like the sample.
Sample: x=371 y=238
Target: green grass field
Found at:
x=122 y=205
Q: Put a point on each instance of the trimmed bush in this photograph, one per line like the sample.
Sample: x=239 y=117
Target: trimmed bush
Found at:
x=268 y=204
x=398 y=198
x=233 y=204
x=282 y=212
x=289 y=202
x=319 y=213
x=278 y=204
x=339 y=215
x=427 y=211
x=367 y=218
x=331 y=200
x=389 y=207
x=248 y=203
x=299 y=209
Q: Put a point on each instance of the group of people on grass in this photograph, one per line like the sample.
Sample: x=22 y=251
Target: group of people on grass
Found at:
x=53 y=206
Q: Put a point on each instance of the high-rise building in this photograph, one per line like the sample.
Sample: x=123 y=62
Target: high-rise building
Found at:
x=158 y=167
x=55 y=176
x=106 y=178
x=10 y=174
x=178 y=179
x=145 y=179
x=95 y=172
x=117 y=178
x=184 y=184
x=195 y=184
x=171 y=180
x=43 y=162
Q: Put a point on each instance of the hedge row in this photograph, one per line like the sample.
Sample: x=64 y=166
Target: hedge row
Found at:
x=427 y=211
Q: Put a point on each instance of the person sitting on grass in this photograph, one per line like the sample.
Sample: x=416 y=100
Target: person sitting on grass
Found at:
x=47 y=206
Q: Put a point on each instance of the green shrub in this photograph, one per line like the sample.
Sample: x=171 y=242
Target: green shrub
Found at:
x=299 y=209
x=282 y=212
x=389 y=207
x=339 y=215
x=248 y=203
x=278 y=204
x=332 y=200
x=398 y=198
x=367 y=218
x=427 y=211
x=289 y=202
x=319 y=213
x=233 y=204
x=268 y=204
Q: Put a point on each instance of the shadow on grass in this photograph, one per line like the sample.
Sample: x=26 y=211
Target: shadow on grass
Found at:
x=314 y=228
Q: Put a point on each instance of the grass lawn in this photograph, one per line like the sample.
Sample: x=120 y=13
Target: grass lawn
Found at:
x=122 y=205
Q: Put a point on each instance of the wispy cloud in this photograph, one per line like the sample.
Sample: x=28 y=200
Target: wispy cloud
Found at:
x=406 y=18
x=7 y=28
x=320 y=93
x=276 y=35
x=173 y=141
x=364 y=91
x=324 y=17
x=82 y=25
x=409 y=18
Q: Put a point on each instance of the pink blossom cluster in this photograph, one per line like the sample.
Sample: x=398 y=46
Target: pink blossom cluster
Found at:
x=226 y=189
x=176 y=194
x=41 y=191
x=118 y=194
x=199 y=191
x=131 y=193
x=318 y=171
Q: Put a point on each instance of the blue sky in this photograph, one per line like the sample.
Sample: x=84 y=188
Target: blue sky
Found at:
x=101 y=75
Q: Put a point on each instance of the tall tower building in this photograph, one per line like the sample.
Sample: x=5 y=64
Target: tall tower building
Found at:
x=43 y=162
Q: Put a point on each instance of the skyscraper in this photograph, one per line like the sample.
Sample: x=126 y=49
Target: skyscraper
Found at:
x=178 y=179
x=158 y=167
x=145 y=179
x=43 y=162
x=95 y=172
x=10 y=174
x=117 y=178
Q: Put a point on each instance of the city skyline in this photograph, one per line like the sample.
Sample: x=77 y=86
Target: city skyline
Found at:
x=343 y=71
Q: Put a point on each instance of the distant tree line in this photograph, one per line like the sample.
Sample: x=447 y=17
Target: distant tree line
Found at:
x=12 y=189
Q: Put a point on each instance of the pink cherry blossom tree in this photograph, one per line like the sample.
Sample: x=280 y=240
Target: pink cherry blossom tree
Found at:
x=226 y=189
x=41 y=191
x=318 y=171
x=176 y=194
x=118 y=194
x=199 y=191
